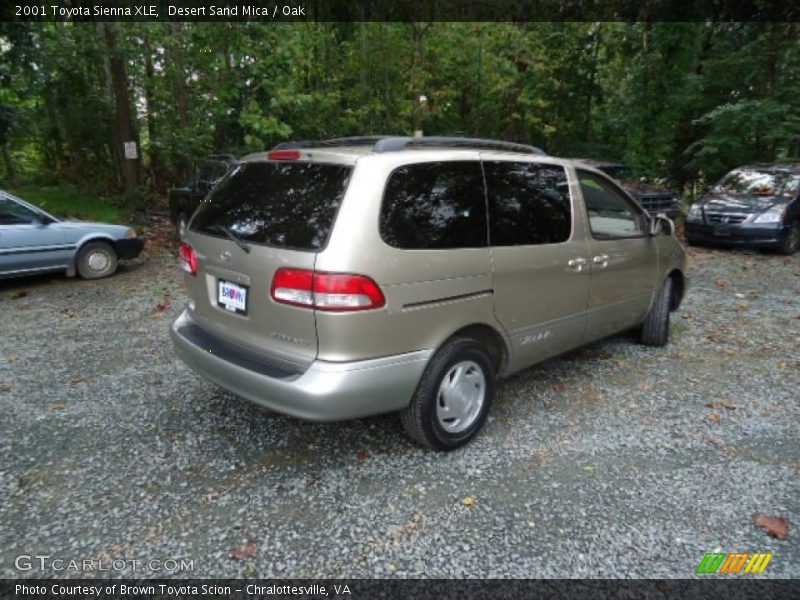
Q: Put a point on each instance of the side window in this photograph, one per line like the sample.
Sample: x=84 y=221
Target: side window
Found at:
x=528 y=204
x=610 y=214
x=435 y=205
x=12 y=213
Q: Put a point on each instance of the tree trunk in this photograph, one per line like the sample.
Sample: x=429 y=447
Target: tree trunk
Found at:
x=123 y=121
x=11 y=172
x=418 y=30
x=156 y=163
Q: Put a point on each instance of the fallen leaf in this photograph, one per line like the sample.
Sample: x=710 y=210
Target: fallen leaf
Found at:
x=362 y=455
x=416 y=518
x=662 y=586
x=559 y=387
x=244 y=552
x=721 y=283
x=722 y=404
x=714 y=337
x=77 y=379
x=4 y=387
x=469 y=501
x=715 y=417
x=19 y=294
x=58 y=406
x=13 y=358
x=162 y=306
x=777 y=527
x=743 y=304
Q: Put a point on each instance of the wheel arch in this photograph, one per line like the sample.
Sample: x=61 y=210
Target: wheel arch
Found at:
x=488 y=337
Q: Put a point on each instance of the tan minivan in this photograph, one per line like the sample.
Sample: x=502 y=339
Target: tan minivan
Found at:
x=337 y=279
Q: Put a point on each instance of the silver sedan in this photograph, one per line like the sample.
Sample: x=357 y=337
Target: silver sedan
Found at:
x=33 y=241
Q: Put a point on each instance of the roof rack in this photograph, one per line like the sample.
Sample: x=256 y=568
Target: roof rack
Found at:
x=394 y=143
x=367 y=140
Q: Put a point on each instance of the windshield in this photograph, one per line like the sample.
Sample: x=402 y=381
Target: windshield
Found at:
x=759 y=183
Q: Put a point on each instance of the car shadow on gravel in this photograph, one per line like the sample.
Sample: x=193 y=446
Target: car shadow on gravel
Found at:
x=11 y=285
x=256 y=433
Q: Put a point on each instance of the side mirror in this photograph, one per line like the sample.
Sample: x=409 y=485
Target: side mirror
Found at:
x=46 y=219
x=661 y=223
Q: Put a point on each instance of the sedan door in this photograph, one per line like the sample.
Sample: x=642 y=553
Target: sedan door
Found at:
x=624 y=257
x=540 y=259
x=27 y=242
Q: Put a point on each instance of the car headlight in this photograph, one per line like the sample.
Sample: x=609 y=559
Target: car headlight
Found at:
x=771 y=215
x=695 y=212
x=131 y=233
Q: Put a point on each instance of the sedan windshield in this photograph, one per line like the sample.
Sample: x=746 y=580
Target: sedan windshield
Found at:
x=759 y=183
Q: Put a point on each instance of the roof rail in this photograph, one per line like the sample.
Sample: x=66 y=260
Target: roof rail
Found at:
x=367 y=140
x=381 y=143
x=401 y=143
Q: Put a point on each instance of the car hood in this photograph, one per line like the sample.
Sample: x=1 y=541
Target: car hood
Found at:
x=741 y=203
x=90 y=227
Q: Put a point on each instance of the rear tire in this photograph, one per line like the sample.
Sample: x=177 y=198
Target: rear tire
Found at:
x=791 y=241
x=96 y=260
x=655 y=328
x=453 y=397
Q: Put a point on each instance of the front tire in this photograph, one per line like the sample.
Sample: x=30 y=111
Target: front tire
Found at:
x=96 y=260
x=791 y=241
x=453 y=397
x=655 y=329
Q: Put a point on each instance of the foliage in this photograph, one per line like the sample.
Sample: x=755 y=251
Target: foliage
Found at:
x=686 y=101
x=68 y=202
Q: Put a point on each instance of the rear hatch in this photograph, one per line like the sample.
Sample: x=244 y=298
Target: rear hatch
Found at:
x=265 y=216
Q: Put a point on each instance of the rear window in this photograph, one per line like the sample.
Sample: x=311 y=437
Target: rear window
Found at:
x=435 y=205
x=286 y=205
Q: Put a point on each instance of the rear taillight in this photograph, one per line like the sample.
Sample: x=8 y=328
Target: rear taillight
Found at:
x=293 y=286
x=336 y=292
x=188 y=259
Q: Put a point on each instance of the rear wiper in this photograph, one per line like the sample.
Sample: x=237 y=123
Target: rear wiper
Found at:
x=234 y=238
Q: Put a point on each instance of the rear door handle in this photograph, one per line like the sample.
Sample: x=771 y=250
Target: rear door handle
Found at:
x=577 y=264
x=601 y=260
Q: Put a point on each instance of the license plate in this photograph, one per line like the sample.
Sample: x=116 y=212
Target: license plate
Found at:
x=232 y=296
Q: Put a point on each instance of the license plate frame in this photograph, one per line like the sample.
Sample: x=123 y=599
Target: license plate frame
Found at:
x=232 y=297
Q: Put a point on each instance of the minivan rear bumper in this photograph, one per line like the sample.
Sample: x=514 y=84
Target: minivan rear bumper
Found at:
x=326 y=391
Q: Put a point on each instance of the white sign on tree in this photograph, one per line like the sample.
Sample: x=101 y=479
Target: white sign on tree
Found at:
x=130 y=150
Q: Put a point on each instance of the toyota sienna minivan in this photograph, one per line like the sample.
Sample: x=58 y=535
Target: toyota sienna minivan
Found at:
x=343 y=278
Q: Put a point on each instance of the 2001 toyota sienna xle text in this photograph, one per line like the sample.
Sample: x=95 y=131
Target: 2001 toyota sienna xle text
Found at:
x=338 y=279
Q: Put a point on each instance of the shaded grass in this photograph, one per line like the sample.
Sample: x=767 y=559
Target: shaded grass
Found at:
x=67 y=202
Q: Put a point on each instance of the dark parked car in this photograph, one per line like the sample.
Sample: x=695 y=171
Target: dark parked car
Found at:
x=653 y=198
x=755 y=205
x=184 y=200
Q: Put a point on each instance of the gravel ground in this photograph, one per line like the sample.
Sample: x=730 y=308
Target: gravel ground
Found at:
x=613 y=461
